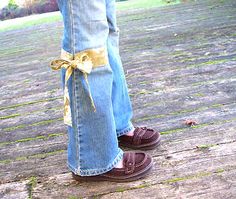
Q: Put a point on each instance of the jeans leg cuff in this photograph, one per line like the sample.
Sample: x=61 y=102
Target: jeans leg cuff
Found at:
x=92 y=172
x=125 y=130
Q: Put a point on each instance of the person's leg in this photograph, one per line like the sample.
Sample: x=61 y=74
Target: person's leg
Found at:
x=92 y=146
x=139 y=137
x=122 y=108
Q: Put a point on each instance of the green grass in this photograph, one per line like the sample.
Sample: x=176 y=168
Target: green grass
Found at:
x=31 y=185
x=136 y=4
x=29 y=21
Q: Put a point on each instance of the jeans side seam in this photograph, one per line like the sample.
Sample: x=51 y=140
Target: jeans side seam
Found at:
x=77 y=120
x=75 y=115
x=72 y=44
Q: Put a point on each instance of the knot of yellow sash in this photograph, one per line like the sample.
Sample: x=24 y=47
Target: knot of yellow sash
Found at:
x=85 y=65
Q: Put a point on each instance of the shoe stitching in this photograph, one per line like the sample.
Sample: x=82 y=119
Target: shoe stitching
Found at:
x=130 y=163
x=137 y=137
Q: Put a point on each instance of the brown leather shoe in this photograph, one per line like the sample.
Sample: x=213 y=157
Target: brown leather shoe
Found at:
x=143 y=138
x=136 y=166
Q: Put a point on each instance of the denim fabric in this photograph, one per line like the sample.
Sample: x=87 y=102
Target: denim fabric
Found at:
x=93 y=145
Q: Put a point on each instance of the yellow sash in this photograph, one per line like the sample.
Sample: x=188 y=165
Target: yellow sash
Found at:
x=84 y=61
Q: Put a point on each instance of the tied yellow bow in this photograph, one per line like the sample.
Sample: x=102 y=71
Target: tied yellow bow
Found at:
x=85 y=65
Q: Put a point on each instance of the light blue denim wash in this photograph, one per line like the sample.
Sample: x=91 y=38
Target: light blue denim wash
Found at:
x=93 y=145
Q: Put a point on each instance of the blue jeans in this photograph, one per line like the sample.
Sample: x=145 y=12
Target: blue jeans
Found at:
x=93 y=145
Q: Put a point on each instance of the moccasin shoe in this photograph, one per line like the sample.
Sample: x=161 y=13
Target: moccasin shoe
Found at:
x=135 y=166
x=143 y=139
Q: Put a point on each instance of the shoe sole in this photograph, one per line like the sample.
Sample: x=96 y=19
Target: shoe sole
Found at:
x=103 y=177
x=148 y=146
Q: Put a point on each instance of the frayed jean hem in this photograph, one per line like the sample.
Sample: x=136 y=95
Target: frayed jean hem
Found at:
x=92 y=172
x=125 y=130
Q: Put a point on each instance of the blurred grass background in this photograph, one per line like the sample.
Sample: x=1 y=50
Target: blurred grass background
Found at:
x=38 y=19
x=135 y=4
